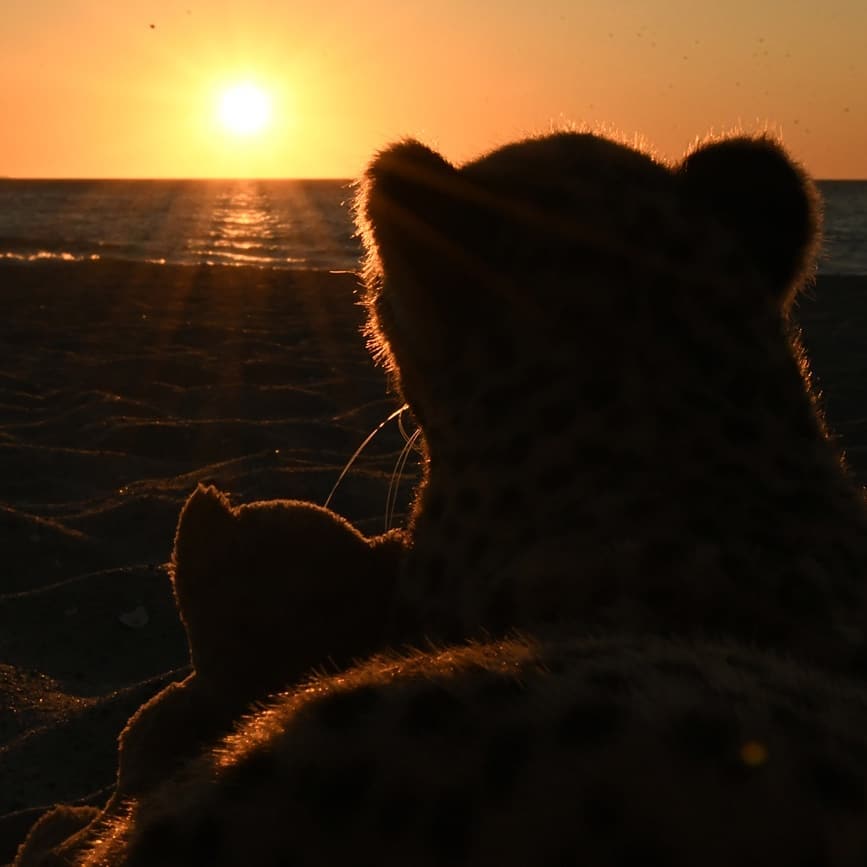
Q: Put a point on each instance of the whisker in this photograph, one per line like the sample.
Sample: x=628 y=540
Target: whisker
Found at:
x=397 y=475
x=402 y=429
x=396 y=414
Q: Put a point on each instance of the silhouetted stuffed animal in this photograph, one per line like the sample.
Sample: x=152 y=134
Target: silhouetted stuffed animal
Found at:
x=268 y=592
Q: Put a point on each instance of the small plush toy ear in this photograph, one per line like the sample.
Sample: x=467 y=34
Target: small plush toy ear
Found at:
x=410 y=196
x=753 y=187
x=206 y=528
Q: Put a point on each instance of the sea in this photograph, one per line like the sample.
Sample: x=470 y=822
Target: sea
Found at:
x=294 y=224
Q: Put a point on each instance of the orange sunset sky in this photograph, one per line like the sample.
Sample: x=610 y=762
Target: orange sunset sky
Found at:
x=90 y=88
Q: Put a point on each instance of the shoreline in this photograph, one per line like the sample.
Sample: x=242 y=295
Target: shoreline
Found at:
x=56 y=261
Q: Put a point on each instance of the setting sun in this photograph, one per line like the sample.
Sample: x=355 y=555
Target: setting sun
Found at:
x=245 y=109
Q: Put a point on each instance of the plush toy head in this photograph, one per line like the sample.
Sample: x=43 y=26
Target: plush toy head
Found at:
x=270 y=590
x=597 y=347
x=557 y=247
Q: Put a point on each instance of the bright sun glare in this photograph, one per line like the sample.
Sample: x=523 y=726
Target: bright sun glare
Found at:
x=245 y=109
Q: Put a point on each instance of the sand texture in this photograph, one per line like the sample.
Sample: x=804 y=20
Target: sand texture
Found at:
x=121 y=387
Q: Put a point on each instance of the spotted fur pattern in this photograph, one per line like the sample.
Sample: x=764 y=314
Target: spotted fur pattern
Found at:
x=626 y=463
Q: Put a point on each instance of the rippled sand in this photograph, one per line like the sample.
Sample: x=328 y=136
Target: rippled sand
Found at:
x=121 y=387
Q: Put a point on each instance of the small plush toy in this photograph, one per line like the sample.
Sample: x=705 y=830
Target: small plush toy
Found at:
x=268 y=592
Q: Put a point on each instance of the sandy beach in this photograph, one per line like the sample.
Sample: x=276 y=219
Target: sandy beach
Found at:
x=121 y=387
x=124 y=385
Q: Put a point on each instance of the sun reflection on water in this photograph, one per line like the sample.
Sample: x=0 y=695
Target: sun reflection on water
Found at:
x=270 y=223
x=244 y=229
x=258 y=223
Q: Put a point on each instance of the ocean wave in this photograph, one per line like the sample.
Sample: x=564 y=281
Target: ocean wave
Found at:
x=212 y=256
x=43 y=255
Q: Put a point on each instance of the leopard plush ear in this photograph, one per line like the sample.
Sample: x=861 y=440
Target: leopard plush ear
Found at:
x=410 y=200
x=754 y=188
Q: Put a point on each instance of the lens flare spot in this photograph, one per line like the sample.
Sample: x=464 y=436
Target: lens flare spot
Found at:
x=754 y=754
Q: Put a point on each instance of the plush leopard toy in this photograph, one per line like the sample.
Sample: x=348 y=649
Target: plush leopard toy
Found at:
x=638 y=552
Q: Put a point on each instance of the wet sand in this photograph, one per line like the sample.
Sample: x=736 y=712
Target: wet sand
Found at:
x=121 y=387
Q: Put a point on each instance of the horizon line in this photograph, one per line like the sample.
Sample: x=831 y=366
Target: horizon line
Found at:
x=55 y=178
x=344 y=178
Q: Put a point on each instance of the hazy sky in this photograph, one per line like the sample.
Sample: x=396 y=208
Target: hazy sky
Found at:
x=88 y=88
